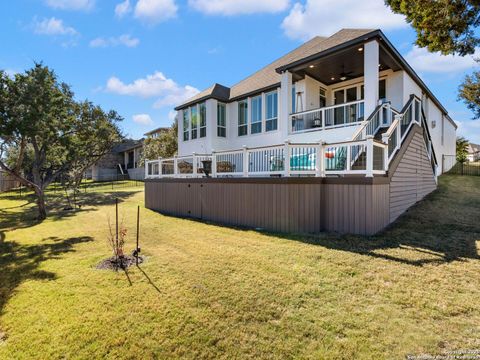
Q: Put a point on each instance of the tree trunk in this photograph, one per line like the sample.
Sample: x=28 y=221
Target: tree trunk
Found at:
x=42 y=210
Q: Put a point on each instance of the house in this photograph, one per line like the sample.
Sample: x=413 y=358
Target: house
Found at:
x=122 y=162
x=340 y=134
x=473 y=151
x=155 y=133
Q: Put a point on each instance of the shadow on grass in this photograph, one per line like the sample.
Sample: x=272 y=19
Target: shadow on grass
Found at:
x=56 y=203
x=19 y=263
x=149 y=280
x=442 y=228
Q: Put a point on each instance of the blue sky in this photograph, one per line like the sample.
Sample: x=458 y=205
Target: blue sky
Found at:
x=140 y=57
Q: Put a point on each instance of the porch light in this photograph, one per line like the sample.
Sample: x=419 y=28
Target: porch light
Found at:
x=311 y=66
x=343 y=78
x=360 y=49
x=332 y=78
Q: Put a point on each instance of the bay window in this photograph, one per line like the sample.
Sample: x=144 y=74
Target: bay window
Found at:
x=194 y=121
x=256 y=115
x=186 y=124
x=203 y=120
x=271 y=122
x=242 y=118
x=221 y=120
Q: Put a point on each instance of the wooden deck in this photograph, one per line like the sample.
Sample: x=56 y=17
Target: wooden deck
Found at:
x=357 y=205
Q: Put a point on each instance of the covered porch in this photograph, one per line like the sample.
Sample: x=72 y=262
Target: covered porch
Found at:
x=340 y=88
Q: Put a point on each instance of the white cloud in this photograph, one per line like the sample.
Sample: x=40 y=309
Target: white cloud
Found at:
x=143 y=119
x=169 y=93
x=325 y=17
x=52 y=26
x=71 y=4
x=238 y=7
x=123 y=9
x=126 y=40
x=469 y=129
x=155 y=11
x=171 y=115
x=424 y=61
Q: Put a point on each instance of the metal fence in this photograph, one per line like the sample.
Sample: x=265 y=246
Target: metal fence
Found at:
x=452 y=166
x=106 y=183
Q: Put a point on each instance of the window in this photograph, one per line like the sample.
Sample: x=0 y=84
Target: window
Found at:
x=194 y=121
x=186 y=124
x=242 y=118
x=382 y=89
x=272 y=111
x=323 y=97
x=221 y=120
x=256 y=116
x=203 y=120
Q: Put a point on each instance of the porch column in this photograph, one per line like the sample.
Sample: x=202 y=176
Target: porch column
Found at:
x=285 y=101
x=371 y=60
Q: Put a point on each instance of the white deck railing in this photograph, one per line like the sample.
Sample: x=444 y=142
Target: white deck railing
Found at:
x=308 y=159
x=362 y=155
x=329 y=117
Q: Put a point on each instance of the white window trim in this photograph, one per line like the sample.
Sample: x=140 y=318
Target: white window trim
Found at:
x=225 y=119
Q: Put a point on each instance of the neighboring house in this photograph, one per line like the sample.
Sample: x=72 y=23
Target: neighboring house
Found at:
x=155 y=133
x=121 y=162
x=354 y=134
x=473 y=151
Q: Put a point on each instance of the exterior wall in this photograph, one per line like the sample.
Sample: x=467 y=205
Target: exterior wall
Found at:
x=443 y=132
x=281 y=205
x=137 y=173
x=413 y=176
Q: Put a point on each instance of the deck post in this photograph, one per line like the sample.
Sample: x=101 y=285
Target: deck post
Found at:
x=245 y=161
x=214 y=164
x=146 y=169
x=175 y=165
x=399 y=128
x=385 y=158
x=369 y=169
x=160 y=168
x=319 y=168
x=348 y=166
x=194 y=165
x=371 y=75
x=286 y=151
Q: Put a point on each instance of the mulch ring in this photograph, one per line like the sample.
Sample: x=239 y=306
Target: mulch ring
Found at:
x=120 y=263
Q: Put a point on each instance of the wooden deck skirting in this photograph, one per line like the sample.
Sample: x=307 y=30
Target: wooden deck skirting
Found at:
x=349 y=204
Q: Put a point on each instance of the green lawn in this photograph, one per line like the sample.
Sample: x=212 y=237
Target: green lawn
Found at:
x=208 y=291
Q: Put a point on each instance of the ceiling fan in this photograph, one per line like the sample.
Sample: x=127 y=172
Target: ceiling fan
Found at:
x=345 y=75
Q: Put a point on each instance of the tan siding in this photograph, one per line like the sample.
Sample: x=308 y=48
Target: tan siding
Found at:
x=412 y=180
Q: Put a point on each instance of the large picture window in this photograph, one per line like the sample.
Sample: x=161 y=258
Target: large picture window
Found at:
x=194 y=121
x=186 y=124
x=256 y=116
x=242 y=118
x=203 y=120
x=221 y=120
x=271 y=122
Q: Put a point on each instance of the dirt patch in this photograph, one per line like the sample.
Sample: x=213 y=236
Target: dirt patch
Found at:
x=120 y=263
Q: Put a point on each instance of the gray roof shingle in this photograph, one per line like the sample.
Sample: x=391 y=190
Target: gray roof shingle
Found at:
x=267 y=76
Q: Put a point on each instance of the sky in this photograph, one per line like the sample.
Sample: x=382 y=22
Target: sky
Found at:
x=142 y=57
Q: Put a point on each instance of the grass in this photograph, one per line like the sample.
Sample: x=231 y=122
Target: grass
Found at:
x=208 y=291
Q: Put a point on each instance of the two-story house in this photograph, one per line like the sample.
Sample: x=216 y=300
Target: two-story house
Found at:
x=337 y=112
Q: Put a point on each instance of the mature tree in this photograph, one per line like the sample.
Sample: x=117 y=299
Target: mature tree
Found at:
x=46 y=132
x=163 y=146
x=469 y=92
x=462 y=145
x=447 y=26
x=450 y=27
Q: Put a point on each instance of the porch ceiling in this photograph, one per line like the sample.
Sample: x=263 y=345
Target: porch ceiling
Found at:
x=329 y=69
